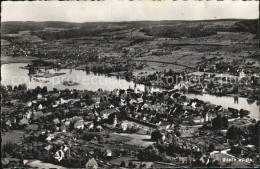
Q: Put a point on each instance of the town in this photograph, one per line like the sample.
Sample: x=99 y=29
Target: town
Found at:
x=186 y=94
x=124 y=128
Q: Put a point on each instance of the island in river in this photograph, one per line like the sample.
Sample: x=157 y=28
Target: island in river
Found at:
x=70 y=83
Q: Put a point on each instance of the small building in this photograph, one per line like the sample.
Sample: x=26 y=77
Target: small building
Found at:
x=39 y=96
x=242 y=74
x=63 y=128
x=92 y=163
x=50 y=137
x=209 y=116
x=37 y=115
x=23 y=122
x=107 y=153
x=79 y=124
x=198 y=119
x=40 y=107
x=8 y=123
x=29 y=104
x=56 y=121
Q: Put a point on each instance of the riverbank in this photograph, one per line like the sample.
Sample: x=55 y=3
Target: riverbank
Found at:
x=92 y=81
x=18 y=59
x=48 y=75
x=125 y=75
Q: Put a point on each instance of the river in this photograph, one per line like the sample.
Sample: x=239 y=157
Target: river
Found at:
x=228 y=101
x=13 y=74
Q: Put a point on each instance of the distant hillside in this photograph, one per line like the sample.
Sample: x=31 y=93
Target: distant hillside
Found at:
x=164 y=31
x=15 y=27
x=248 y=26
x=192 y=30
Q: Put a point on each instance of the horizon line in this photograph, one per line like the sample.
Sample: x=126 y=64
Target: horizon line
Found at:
x=139 y=20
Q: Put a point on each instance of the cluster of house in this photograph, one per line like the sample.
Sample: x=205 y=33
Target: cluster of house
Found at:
x=204 y=82
x=110 y=55
x=239 y=68
x=67 y=110
x=160 y=108
x=52 y=108
x=164 y=108
x=20 y=50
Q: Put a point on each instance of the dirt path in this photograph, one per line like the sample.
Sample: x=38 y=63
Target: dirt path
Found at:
x=138 y=139
x=40 y=164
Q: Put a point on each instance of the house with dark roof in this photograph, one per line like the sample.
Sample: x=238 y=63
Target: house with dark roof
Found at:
x=37 y=115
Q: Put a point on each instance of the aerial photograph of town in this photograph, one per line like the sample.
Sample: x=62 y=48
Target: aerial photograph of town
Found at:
x=94 y=85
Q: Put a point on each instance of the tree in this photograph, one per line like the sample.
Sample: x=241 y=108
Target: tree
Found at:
x=189 y=160
x=173 y=146
x=242 y=113
x=9 y=87
x=101 y=99
x=35 y=153
x=233 y=133
x=55 y=90
x=130 y=164
x=19 y=87
x=134 y=165
x=122 y=164
x=217 y=122
x=24 y=86
x=44 y=90
x=9 y=147
x=3 y=89
x=88 y=99
x=37 y=90
x=211 y=147
x=164 y=157
x=170 y=72
x=175 y=142
x=156 y=135
x=225 y=122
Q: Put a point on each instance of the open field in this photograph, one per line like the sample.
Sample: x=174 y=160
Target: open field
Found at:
x=136 y=139
x=13 y=136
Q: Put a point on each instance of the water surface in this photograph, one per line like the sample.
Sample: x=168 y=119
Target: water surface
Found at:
x=13 y=74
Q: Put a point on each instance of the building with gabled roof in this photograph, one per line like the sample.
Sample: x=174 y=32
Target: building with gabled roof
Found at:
x=92 y=163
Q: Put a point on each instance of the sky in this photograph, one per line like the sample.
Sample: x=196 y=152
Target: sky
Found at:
x=124 y=10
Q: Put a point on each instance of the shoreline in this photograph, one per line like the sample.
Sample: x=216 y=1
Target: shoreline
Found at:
x=116 y=74
x=18 y=59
